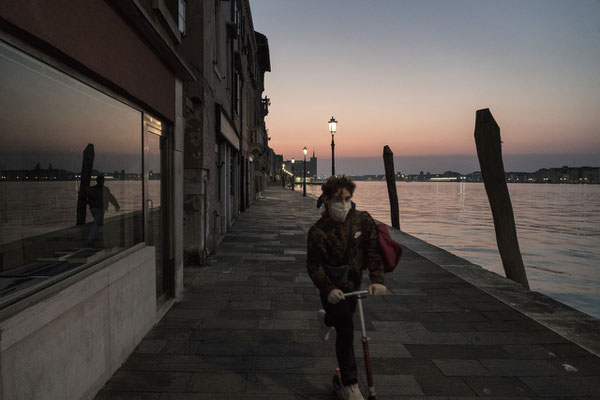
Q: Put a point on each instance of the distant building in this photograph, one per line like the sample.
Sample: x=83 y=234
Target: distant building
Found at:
x=311 y=166
x=276 y=167
x=297 y=167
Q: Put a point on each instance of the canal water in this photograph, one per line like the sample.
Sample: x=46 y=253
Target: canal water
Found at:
x=558 y=227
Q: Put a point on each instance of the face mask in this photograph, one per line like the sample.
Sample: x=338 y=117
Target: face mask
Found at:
x=339 y=210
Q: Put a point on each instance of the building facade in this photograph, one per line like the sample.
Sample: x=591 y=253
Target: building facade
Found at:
x=133 y=134
x=225 y=138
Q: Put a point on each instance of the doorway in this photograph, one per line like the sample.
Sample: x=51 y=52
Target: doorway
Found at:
x=156 y=202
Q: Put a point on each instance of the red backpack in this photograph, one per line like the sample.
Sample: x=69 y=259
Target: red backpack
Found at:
x=391 y=251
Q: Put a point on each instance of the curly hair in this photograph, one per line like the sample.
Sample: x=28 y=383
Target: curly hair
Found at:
x=333 y=185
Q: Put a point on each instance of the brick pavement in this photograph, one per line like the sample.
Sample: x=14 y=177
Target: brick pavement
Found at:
x=246 y=328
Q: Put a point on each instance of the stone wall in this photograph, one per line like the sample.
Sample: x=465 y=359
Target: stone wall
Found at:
x=68 y=345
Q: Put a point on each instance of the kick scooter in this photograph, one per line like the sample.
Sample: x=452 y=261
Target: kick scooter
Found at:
x=361 y=294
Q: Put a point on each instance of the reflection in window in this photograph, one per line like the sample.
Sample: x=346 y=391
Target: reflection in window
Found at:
x=70 y=175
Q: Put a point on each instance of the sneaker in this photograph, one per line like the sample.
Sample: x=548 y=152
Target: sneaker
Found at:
x=324 y=330
x=350 y=392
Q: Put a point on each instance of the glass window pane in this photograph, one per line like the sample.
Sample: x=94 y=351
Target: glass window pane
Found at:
x=48 y=120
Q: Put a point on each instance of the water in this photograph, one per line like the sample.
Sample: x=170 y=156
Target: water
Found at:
x=558 y=227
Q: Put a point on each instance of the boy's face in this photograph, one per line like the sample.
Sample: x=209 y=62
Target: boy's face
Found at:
x=342 y=196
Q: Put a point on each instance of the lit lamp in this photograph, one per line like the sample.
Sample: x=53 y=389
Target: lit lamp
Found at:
x=305 y=150
x=283 y=176
x=332 y=129
x=293 y=176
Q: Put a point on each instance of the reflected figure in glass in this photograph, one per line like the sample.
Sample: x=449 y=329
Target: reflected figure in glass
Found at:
x=98 y=197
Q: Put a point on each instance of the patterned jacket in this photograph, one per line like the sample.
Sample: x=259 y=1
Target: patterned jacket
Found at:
x=352 y=242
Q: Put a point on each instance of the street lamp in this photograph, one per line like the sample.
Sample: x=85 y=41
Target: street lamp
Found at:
x=305 y=150
x=332 y=129
x=283 y=176
x=293 y=174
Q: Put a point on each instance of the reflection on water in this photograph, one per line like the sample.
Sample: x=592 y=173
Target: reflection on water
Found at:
x=33 y=208
x=558 y=227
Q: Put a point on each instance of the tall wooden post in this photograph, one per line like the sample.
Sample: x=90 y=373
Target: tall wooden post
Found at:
x=390 y=177
x=489 y=152
x=87 y=164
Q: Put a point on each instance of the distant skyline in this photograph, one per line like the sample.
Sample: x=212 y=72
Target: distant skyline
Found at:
x=464 y=164
x=411 y=74
x=348 y=165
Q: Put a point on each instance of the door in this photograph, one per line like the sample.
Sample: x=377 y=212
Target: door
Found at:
x=156 y=173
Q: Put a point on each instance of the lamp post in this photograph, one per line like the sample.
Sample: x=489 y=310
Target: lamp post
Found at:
x=283 y=176
x=293 y=174
x=332 y=129
x=305 y=150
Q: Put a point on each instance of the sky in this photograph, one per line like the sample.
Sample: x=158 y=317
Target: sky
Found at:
x=411 y=75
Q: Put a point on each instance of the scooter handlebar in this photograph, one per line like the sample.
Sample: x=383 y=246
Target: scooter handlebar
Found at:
x=358 y=293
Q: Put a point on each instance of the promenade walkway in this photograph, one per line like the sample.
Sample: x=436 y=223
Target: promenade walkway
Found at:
x=246 y=328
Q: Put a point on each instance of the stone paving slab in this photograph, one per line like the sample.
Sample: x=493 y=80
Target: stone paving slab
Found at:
x=246 y=327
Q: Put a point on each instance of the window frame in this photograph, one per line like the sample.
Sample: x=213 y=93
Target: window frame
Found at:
x=172 y=23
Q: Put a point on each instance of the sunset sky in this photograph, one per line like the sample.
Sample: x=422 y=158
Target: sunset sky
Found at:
x=411 y=74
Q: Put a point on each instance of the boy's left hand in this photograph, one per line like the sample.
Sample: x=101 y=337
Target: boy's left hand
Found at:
x=377 y=289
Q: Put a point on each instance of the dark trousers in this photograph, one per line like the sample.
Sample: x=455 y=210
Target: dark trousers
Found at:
x=340 y=316
x=96 y=231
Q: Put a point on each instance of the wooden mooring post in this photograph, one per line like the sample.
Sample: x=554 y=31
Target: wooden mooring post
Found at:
x=390 y=177
x=489 y=152
x=87 y=164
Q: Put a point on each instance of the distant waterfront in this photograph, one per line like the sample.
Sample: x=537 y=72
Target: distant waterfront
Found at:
x=558 y=227
x=564 y=174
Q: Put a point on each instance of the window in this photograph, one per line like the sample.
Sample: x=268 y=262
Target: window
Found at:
x=181 y=16
x=71 y=176
x=237 y=19
x=216 y=36
x=177 y=10
x=237 y=93
x=243 y=29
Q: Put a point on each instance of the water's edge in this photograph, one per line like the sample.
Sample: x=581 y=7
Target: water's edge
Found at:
x=576 y=326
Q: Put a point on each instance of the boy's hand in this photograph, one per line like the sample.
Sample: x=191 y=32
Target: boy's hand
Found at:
x=335 y=296
x=377 y=289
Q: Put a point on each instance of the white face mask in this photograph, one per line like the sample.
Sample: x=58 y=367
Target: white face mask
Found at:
x=338 y=210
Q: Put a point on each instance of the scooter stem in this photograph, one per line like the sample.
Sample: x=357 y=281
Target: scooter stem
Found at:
x=362 y=317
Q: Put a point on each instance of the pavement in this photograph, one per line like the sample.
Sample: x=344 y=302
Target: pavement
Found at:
x=246 y=328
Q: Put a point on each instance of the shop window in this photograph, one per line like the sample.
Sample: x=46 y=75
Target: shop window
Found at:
x=71 y=191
